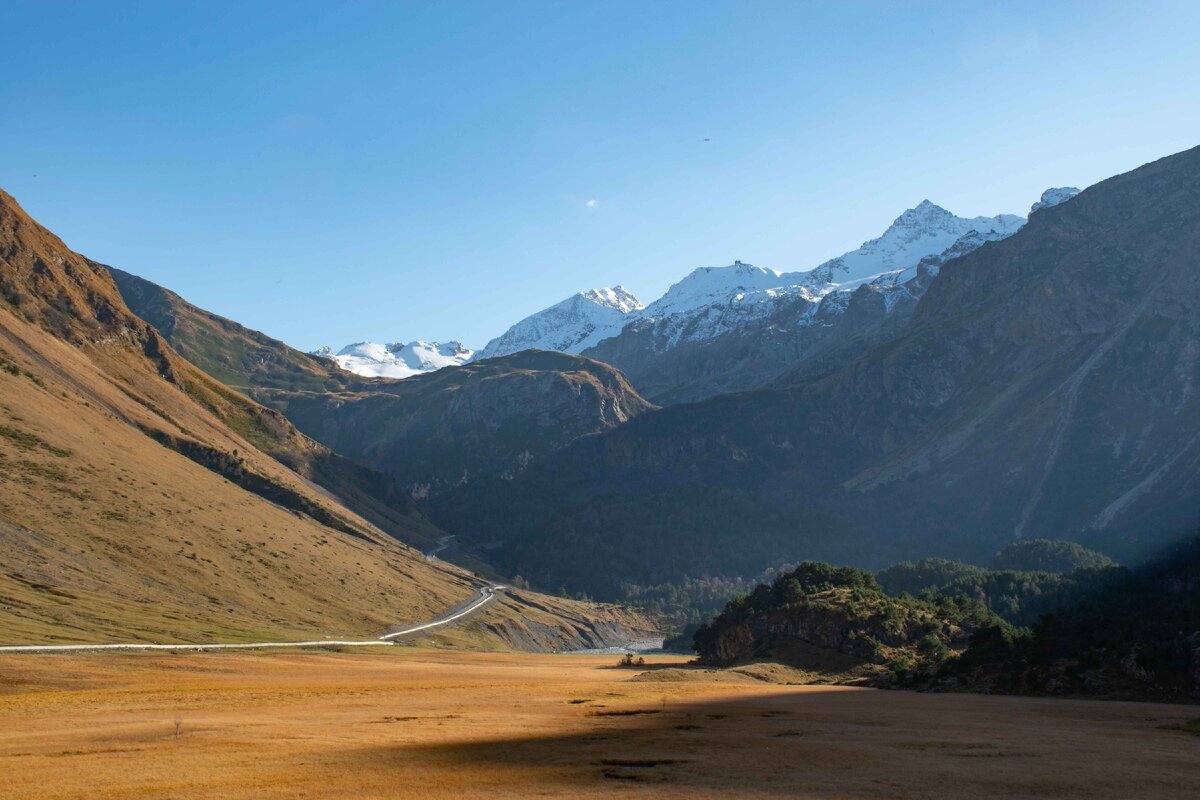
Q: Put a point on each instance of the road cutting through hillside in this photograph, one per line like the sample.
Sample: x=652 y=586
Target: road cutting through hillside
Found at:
x=486 y=595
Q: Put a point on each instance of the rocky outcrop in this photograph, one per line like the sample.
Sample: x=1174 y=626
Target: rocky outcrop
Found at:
x=869 y=629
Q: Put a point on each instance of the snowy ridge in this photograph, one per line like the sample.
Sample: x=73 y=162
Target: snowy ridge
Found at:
x=1052 y=197
x=713 y=301
x=375 y=360
x=571 y=326
x=922 y=231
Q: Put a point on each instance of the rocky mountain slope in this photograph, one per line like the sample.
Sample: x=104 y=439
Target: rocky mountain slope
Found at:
x=742 y=327
x=1043 y=386
x=143 y=500
x=487 y=418
x=243 y=359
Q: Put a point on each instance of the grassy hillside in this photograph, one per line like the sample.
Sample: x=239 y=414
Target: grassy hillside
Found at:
x=143 y=500
x=235 y=355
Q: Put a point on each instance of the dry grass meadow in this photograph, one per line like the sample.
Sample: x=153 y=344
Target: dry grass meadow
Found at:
x=426 y=723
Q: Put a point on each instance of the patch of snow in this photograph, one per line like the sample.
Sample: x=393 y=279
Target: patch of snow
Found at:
x=1052 y=197
x=571 y=326
x=375 y=360
x=919 y=232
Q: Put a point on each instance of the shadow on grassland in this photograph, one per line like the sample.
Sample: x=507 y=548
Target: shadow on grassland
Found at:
x=826 y=743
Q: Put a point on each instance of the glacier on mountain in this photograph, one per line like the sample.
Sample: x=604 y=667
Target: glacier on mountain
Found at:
x=397 y=360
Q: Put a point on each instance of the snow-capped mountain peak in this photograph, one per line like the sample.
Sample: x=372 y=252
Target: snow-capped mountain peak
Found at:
x=1052 y=197
x=571 y=326
x=618 y=298
x=707 y=286
x=924 y=230
x=397 y=360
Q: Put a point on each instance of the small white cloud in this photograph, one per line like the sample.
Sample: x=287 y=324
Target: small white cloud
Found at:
x=592 y=203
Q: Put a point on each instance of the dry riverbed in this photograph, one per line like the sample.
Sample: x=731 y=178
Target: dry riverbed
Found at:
x=421 y=723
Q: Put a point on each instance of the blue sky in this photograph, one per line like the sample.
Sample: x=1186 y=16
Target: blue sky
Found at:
x=332 y=172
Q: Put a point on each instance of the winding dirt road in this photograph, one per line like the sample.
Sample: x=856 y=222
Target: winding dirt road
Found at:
x=486 y=595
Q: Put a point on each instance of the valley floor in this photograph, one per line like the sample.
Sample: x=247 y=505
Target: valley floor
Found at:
x=426 y=723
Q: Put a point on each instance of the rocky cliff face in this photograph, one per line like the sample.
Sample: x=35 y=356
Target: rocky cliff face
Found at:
x=486 y=418
x=877 y=631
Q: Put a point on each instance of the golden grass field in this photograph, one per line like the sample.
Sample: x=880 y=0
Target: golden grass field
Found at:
x=425 y=723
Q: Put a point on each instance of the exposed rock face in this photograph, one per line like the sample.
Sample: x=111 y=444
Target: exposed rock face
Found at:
x=492 y=417
x=568 y=625
x=1052 y=197
x=1045 y=386
x=832 y=620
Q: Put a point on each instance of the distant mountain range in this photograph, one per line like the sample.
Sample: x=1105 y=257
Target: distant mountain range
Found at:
x=1043 y=385
x=737 y=312
x=572 y=326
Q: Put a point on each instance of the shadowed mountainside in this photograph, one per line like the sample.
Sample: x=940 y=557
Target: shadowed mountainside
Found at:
x=1045 y=386
x=487 y=418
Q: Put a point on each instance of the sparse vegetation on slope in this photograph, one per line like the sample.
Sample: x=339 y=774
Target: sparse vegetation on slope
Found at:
x=141 y=500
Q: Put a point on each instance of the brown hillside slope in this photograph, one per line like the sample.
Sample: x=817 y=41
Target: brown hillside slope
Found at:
x=136 y=502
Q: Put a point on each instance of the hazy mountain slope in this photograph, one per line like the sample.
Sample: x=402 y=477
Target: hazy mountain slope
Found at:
x=242 y=358
x=1044 y=387
x=136 y=504
x=232 y=353
x=491 y=417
